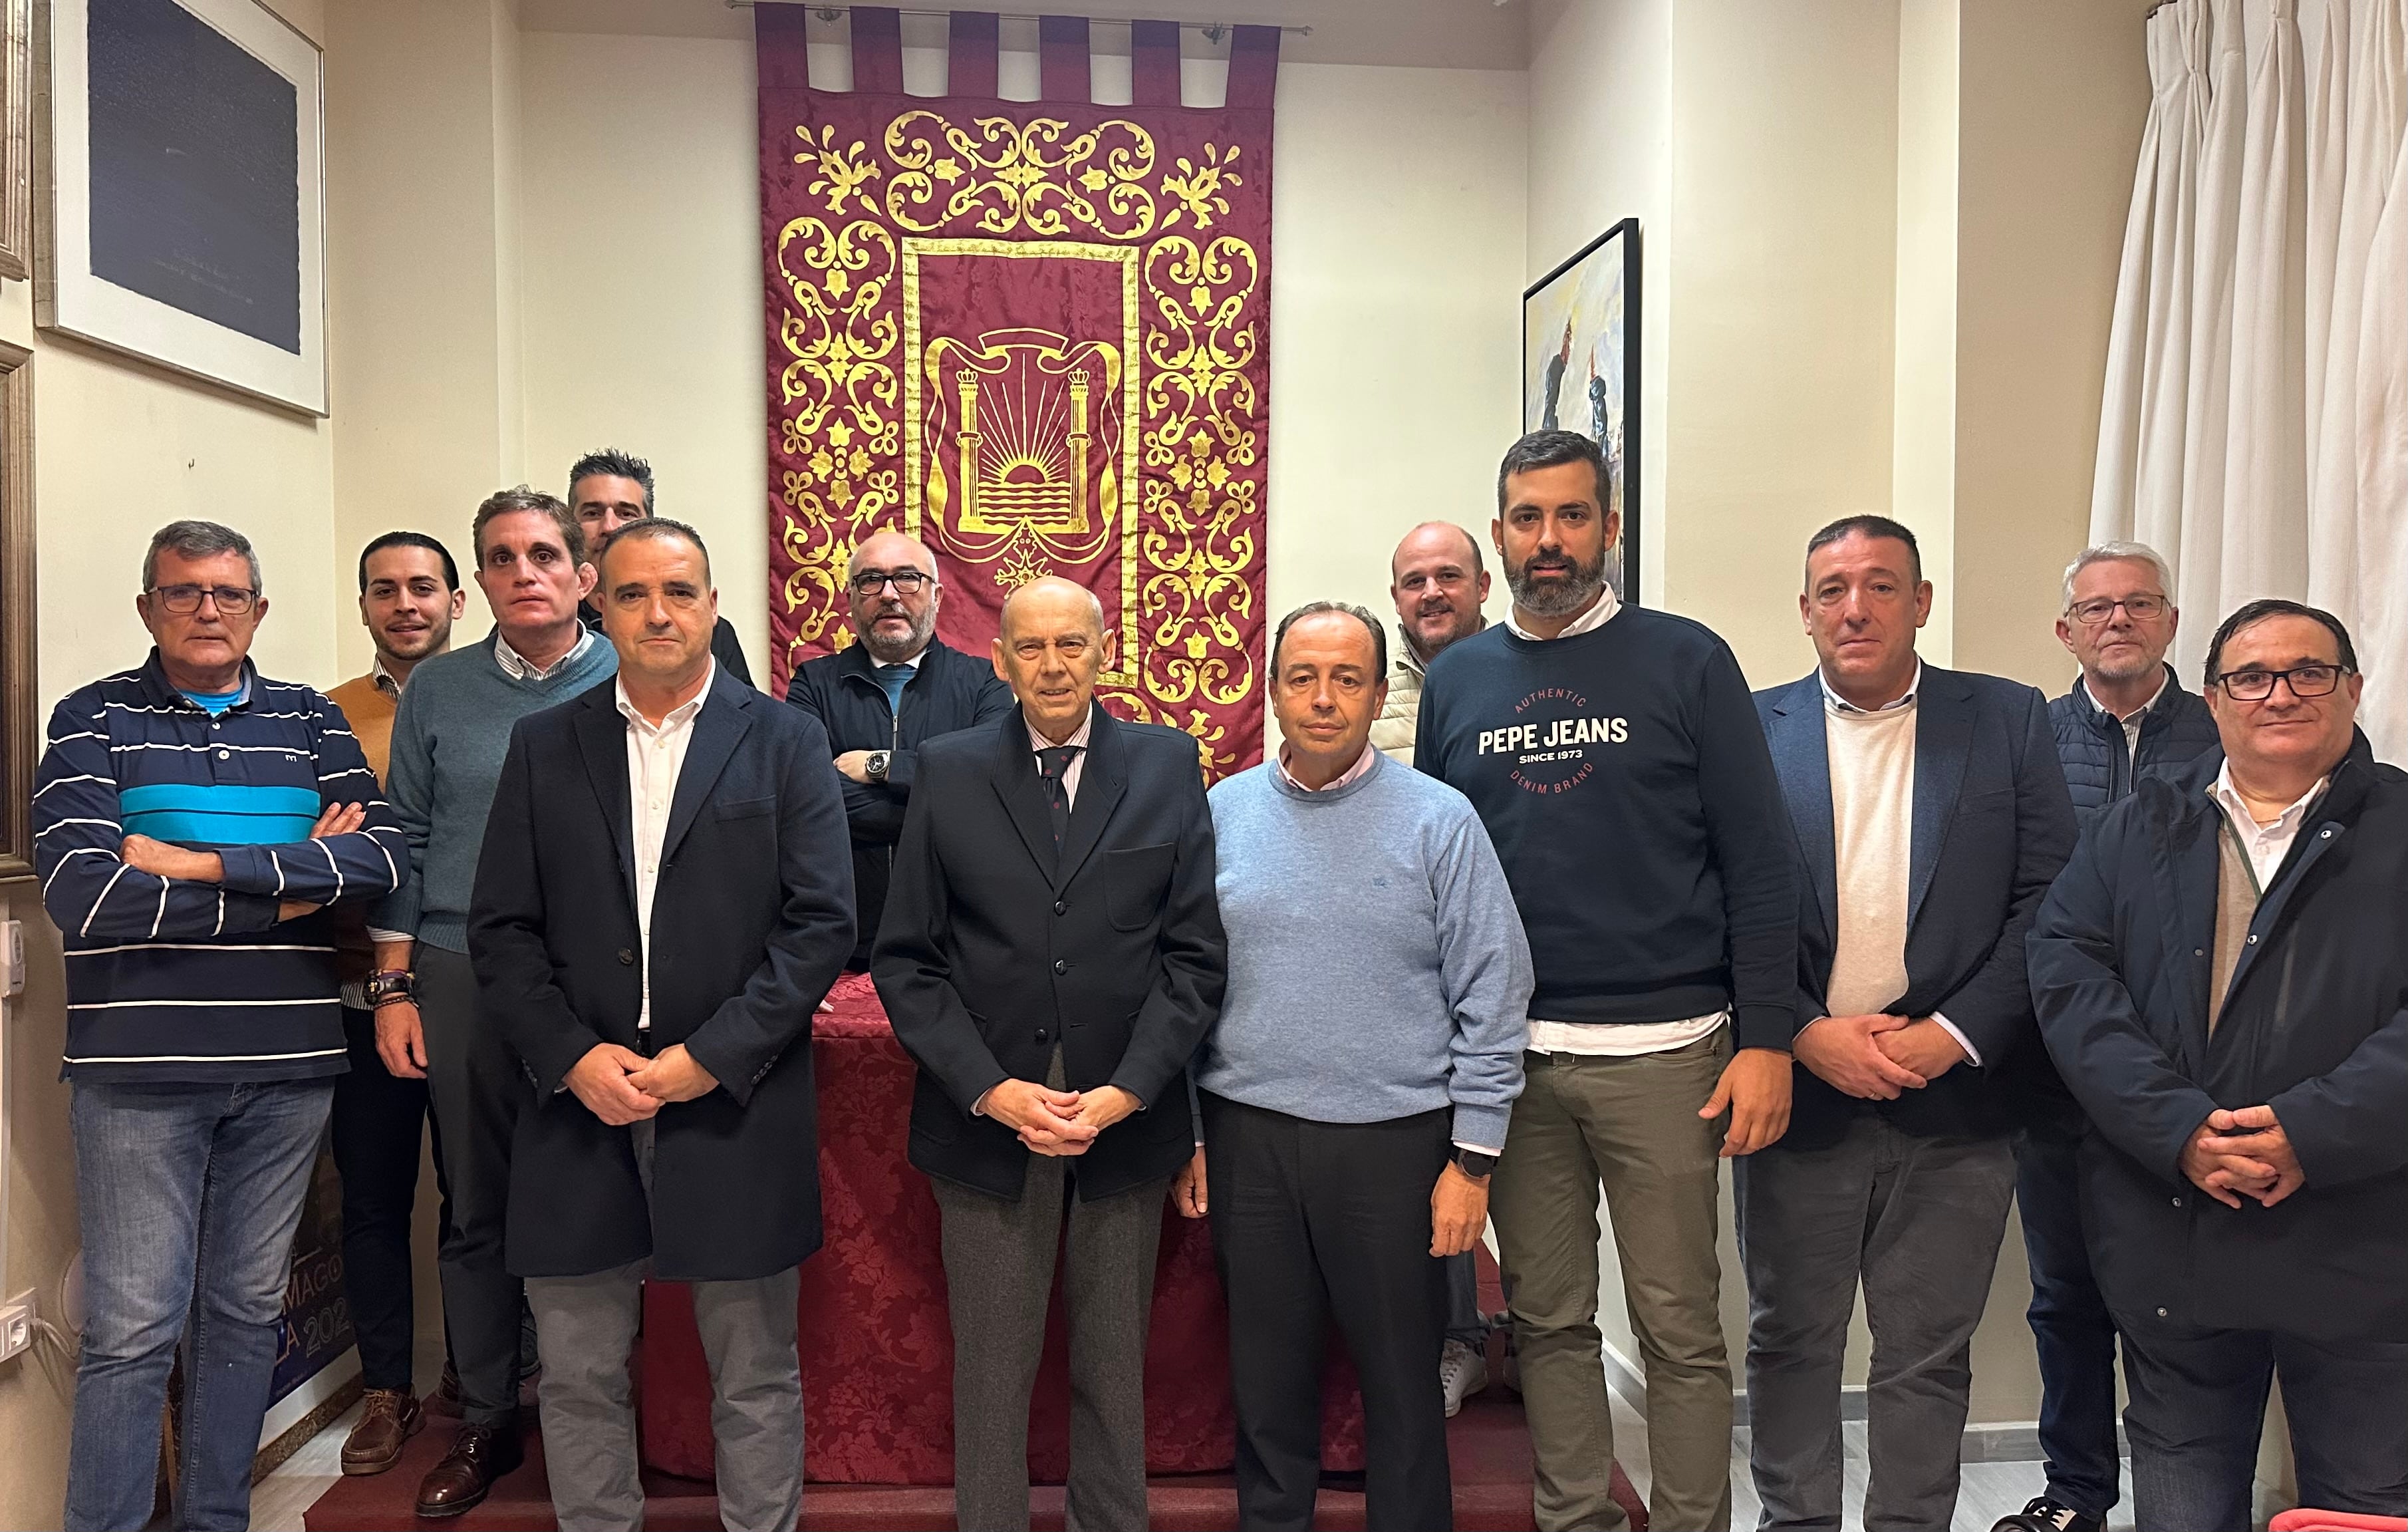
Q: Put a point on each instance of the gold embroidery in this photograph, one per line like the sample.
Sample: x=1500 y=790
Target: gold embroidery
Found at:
x=1011 y=182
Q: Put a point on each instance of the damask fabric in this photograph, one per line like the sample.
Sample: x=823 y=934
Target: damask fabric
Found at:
x=1035 y=335
x=877 y=1346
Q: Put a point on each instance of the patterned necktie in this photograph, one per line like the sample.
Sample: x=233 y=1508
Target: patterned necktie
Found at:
x=1051 y=765
x=892 y=679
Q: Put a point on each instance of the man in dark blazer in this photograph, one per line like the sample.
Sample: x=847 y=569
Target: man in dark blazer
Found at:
x=1052 y=954
x=2222 y=975
x=882 y=697
x=1930 y=815
x=675 y=825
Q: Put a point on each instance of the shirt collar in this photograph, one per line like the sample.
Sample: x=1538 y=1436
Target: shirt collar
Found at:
x=1607 y=604
x=384 y=680
x=519 y=668
x=1363 y=764
x=2228 y=797
x=679 y=716
x=2164 y=675
x=1078 y=737
x=1838 y=703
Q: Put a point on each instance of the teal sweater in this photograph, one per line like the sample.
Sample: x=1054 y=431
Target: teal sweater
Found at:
x=449 y=737
x=1377 y=966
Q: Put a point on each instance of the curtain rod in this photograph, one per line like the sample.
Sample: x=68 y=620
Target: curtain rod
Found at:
x=1214 y=30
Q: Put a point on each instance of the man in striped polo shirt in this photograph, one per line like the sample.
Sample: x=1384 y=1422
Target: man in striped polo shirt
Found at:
x=192 y=819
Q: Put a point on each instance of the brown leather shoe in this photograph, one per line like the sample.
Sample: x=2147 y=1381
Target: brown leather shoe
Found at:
x=445 y=1400
x=480 y=1454
x=388 y=1418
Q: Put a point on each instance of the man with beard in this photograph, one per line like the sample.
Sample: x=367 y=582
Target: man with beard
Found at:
x=409 y=598
x=879 y=698
x=1615 y=754
x=606 y=490
x=1436 y=579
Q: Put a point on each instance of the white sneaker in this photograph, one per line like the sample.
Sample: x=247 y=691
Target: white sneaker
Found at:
x=1462 y=1372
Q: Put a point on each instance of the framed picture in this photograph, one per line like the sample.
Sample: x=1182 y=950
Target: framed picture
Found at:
x=181 y=217
x=20 y=709
x=1580 y=369
x=17 y=138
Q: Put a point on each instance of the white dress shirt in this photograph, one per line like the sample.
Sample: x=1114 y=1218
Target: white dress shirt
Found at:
x=655 y=755
x=518 y=667
x=1072 y=772
x=2266 y=844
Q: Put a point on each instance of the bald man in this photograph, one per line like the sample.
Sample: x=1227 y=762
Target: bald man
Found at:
x=1438 y=581
x=1051 y=956
x=879 y=698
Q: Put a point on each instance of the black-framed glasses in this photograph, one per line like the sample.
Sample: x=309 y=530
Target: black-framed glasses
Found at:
x=2255 y=685
x=2091 y=613
x=907 y=581
x=183 y=600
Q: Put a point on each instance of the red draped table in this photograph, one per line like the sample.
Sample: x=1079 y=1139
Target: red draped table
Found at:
x=877 y=1346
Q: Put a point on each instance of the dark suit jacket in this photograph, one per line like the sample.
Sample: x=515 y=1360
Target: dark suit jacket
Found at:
x=950 y=691
x=1992 y=826
x=2315 y=1025
x=751 y=919
x=994 y=947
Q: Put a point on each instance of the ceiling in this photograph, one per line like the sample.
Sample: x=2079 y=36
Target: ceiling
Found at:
x=1443 y=33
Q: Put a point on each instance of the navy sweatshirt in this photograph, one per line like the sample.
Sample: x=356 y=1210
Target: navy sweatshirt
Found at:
x=1624 y=777
x=200 y=982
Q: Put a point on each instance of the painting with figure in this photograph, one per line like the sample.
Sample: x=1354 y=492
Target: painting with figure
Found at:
x=1579 y=368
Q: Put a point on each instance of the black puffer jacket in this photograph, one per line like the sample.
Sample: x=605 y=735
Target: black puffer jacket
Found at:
x=951 y=690
x=2099 y=769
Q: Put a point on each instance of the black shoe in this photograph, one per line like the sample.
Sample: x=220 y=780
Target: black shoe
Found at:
x=2048 y=1515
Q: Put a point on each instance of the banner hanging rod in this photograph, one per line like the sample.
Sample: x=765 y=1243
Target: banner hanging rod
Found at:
x=1215 y=31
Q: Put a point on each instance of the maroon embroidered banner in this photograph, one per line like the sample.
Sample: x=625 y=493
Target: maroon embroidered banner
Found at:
x=1034 y=335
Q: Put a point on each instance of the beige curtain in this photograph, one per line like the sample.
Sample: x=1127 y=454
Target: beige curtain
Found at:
x=2255 y=425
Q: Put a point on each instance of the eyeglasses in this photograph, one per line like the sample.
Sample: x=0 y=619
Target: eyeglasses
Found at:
x=183 y=600
x=2091 y=613
x=906 y=582
x=2303 y=680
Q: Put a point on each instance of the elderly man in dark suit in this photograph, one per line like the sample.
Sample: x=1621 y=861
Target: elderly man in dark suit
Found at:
x=1930 y=815
x=2222 y=975
x=1052 y=953
x=675 y=825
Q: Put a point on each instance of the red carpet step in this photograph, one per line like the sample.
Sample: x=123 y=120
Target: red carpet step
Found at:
x=1488 y=1444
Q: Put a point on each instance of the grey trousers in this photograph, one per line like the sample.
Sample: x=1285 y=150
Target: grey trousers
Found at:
x=587 y=1326
x=998 y=1275
x=1919 y=1220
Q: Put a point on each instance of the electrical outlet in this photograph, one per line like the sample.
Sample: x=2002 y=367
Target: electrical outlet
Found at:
x=16 y=1324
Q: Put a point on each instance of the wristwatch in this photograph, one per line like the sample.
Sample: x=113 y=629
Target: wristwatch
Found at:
x=875 y=767
x=392 y=985
x=1474 y=1164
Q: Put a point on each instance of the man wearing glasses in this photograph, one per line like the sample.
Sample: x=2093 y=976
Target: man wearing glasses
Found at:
x=192 y=822
x=2220 y=975
x=884 y=695
x=2125 y=714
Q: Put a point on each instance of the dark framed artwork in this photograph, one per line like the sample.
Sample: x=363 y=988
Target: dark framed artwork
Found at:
x=1580 y=369
x=182 y=215
x=21 y=714
x=16 y=139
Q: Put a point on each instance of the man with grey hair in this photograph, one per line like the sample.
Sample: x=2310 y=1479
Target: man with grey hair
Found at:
x=192 y=820
x=878 y=698
x=2126 y=716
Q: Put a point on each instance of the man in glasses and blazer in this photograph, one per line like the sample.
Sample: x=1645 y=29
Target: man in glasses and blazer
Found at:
x=879 y=698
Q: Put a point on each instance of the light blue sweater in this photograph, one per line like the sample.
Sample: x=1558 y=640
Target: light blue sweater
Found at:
x=1377 y=966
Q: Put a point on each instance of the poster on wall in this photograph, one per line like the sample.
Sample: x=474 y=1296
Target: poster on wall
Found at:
x=1580 y=369
x=182 y=210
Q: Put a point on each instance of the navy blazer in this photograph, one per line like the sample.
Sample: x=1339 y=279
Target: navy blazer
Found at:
x=996 y=948
x=2314 y=1024
x=751 y=921
x=1992 y=825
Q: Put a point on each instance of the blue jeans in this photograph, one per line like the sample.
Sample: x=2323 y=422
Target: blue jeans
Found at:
x=2197 y=1402
x=189 y=1197
x=2072 y=1334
